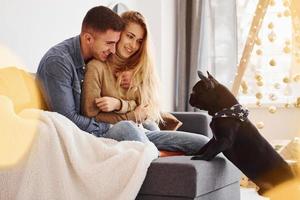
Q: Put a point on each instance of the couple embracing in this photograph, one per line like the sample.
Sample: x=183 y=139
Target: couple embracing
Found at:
x=104 y=81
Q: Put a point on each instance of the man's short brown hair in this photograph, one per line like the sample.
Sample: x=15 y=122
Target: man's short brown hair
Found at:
x=101 y=19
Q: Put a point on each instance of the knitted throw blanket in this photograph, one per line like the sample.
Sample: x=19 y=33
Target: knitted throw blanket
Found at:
x=67 y=163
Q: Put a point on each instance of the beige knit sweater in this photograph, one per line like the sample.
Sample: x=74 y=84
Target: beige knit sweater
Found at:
x=99 y=81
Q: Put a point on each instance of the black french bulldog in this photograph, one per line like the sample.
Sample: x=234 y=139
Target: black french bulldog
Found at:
x=236 y=136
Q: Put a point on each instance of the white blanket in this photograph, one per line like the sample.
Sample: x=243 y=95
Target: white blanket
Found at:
x=67 y=163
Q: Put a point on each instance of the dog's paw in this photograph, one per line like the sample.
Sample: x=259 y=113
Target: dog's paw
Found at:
x=196 y=158
x=201 y=157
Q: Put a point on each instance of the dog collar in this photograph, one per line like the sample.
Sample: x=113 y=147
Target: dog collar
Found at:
x=236 y=111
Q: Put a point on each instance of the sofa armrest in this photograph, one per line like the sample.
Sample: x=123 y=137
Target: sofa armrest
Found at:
x=194 y=122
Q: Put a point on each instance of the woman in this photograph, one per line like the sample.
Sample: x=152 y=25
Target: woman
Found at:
x=105 y=99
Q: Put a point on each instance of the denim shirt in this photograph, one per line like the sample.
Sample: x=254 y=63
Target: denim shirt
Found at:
x=61 y=73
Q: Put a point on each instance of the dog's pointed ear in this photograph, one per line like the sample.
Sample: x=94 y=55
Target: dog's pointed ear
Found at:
x=211 y=78
x=208 y=83
x=201 y=76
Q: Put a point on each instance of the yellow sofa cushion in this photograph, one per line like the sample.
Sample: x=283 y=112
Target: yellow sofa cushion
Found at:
x=22 y=88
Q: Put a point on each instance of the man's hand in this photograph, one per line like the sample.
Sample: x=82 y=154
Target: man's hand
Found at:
x=126 y=79
x=108 y=104
x=141 y=113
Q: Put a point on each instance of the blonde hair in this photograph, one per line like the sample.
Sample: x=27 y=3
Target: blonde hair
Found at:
x=145 y=79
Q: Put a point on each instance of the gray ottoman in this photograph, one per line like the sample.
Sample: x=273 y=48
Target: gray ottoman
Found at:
x=178 y=177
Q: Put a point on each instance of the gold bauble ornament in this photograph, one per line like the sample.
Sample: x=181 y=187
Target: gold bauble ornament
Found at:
x=279 y=14
x=287 y=105
x=286 y=13
x=245 y=91
x=277 y=85
x=259 y=95
x=258 y=77
x=287 y=49
x=259 y=52
x=272 y=62
x=286 y=3
x=272 y=3
x=272 y=36
x=297 y=78
x=286 y=80
x=297 y=38
x=258 y=103
x=270 y=25
x=257 y=41
x=260 y=125
x=297 y=104
x=272 y=109
x=287 y=92
x=260 y=83
x=244 y=87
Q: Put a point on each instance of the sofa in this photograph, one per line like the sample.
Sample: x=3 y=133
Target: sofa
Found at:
x=168 y=178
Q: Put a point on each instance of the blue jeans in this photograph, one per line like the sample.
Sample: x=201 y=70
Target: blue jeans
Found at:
x=189 y=143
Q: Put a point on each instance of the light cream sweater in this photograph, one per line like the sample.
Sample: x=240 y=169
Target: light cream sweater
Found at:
x=99 y=81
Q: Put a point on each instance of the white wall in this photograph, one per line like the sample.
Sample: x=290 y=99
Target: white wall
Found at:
x=29 y=28
x=161 y=18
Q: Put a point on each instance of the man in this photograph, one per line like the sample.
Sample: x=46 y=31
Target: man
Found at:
x=61 y=70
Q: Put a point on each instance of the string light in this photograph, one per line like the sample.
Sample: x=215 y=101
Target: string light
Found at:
x=272 y=109
x=259 y=95
x=257 y=41
x=272 y=36
x=270 y=25
x=286 y=49
x=297 y=78
x=278 y=85
x=260 y=125
x=287 y=105
x=286 y=3
x=260 y=83
x=272 y=62
x=259 y=52
x=258 y=103
x=286 y=13
x=286 y=80
x=272 y=97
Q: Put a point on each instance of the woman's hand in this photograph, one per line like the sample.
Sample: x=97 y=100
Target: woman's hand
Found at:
x=126 y=79
x=108 y=104
x=141 y=113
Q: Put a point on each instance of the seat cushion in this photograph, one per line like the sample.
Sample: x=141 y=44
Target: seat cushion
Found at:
x=179 y=176
x=170 y=122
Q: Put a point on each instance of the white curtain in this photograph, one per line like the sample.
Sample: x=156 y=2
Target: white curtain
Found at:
x=219 y=43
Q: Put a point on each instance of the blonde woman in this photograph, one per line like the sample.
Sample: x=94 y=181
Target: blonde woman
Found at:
x=105 y=99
